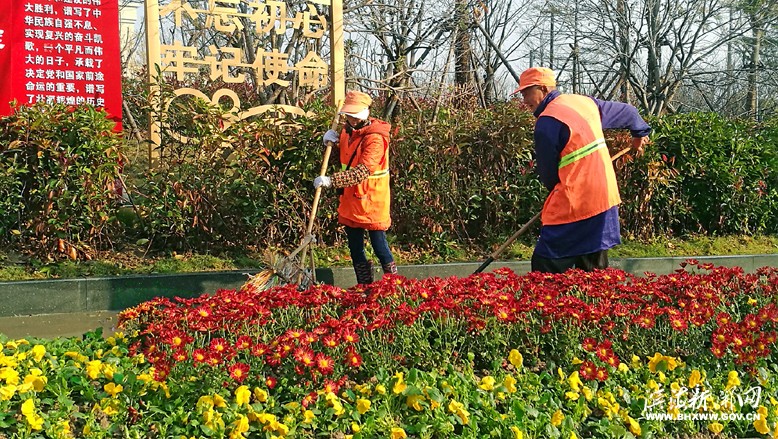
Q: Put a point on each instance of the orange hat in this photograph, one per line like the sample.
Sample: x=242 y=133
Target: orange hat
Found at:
x=536 y=76
x=356 y=103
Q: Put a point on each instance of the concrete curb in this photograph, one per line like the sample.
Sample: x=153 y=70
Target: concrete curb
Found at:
x=39 y=297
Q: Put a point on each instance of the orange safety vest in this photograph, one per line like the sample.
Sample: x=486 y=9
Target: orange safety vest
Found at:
x=366 y=205
x=587 y=182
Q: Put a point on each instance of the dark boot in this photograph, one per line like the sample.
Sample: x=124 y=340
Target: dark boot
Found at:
x=364 y=272
x=390 y=268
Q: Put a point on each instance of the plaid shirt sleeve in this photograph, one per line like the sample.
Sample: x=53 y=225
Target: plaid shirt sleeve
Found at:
x=352 y=177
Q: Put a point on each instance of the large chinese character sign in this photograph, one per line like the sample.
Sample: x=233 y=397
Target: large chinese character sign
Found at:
x=270 y=45
x=64 y=51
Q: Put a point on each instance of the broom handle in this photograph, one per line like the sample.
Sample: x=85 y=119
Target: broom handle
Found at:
x=317 y=193
x=526 y=226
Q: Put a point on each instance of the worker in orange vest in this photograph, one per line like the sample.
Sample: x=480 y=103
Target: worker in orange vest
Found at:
x=363 y=184
x=580 y=217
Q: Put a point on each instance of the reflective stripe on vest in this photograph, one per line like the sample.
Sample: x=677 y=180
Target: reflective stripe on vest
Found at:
x=580 y=153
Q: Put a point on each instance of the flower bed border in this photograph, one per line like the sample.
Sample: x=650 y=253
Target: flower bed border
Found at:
x=38 y=297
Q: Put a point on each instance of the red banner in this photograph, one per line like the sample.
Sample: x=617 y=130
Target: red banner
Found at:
x=63 y=51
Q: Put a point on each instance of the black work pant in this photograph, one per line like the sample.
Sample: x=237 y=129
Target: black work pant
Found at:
x=586 y=262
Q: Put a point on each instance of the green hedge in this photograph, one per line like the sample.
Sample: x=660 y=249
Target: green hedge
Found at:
x=465 y=177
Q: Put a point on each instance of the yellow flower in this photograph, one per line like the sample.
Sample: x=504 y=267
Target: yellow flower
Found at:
x=240 y=426
x=414 y=402
x=363 y=405
x=399 y=385
x=623 y=367
x=38 y=351
x=715 y=427
x=574 y=381
x=635 y=361
x=761 y=425
x=218 y=401
x=634 y=427
x=557 y=418
x=588 y=394
x=487 y=383
x=695 y=379
x=398 y=433
x=10 y=375
x=260 y=394
x=113 y=389
x=308 y=417
x=517 y=434
x=7 y=392
x=242 y=396
x=510 y=384
x=732 y=380
x=516 y=359
x=577 y=360
x=93 y=369
x=572 y=396
x=32 y=418
x=573 y=435
x=381 y=389
x=355 y=427
x=751 y=301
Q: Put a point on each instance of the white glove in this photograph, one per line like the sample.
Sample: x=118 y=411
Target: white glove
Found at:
x=331 y=136
x=322 y=181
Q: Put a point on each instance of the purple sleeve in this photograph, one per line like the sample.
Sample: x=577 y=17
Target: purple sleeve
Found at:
x=618 y=115
x=551 y=136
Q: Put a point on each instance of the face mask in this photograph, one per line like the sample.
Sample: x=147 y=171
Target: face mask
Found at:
x=359 y=125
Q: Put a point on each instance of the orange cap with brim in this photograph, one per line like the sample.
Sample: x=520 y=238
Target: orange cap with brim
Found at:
x=355 y=102
x=535 y=76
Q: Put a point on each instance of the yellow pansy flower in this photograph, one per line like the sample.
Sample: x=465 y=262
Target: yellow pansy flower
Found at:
x=623 y=367
x=516 y=359
x=380 y=389
x=218 y=401
x=113 y=389
x=363 y=405
x=715 y=427
x=572 y=396
x=574 y=381
x=634 y=426
x=260 y=394
x=732 y=380
x=239 y=426
x=38 y=351
x=355 y=427
x=93 y=369
x=242 y=396
x=308 y=417
x=487 y=383
x=510 y=384
x=398 y=433
x=7 y=392
x=695 y=378
x=517 y=434
x=414 y=402
x=557 y=418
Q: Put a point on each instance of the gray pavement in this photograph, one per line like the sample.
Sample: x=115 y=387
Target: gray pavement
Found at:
x=57 y=325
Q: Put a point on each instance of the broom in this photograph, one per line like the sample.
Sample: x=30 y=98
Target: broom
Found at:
x=289 y=269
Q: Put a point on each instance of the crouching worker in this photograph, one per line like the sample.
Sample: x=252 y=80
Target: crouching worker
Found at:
x=363 y=184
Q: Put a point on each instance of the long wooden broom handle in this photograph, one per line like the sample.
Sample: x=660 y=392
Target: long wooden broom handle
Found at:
x=527 y=225
x=317 y=193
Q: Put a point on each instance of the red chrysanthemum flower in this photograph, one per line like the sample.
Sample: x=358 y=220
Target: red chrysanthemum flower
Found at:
x=244 y=342
x=309 y=399
x=587 y=370
x=601 y=374
x=353 y=359
x=305 y=356
x=239 y=372
x=324 y=364
x=259 y=349
x=219 y=345
x=199 y=355
x=271 y=382
x=331 y=341
x=678 y=323
x=589 y=344
x=180 y=355
x=349 y=336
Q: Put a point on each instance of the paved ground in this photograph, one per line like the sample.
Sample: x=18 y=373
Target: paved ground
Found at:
x=57 y=325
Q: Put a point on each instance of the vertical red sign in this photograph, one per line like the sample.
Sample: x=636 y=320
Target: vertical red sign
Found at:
x=63 y=51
